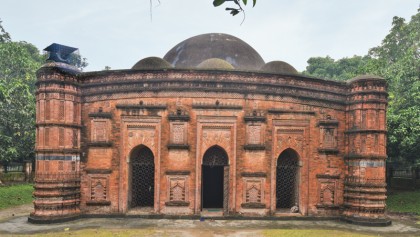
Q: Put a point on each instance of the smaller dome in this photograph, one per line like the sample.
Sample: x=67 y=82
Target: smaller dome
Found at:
x=278 y=67
x=215 y=63
x=364 y=78
x=151 y=63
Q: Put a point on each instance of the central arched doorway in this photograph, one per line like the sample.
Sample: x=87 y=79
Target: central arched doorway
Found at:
x=142 y=177
x=287 y=182
x=215 y=176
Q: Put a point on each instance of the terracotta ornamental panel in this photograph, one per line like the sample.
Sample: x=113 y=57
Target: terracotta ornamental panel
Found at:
x=217 y=131
x=139 y=131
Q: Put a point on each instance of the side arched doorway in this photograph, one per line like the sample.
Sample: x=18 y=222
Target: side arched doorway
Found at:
x=287 y=181
x=142 y=177
x=215 y=177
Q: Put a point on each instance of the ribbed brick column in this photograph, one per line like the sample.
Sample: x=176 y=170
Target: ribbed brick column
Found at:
x=365 y=185
x=57 y=179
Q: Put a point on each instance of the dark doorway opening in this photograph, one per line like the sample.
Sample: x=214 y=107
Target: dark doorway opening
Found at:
x=287 y=180
x=213 y=187
x=215 y=178
x=143 y=177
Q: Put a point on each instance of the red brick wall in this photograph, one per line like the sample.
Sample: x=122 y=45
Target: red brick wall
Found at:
x=253 y=116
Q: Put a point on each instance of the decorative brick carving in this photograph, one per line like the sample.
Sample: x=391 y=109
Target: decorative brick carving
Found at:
x=178 y=133
x=326 y=196
x=47 y=110
x=141 y=134
x=216 y=135
x=61 y=110
x=98 y=188
x=75 y=140
x=328 y=135
x=290 y=138
x=254 y=134
x=253 y=191
x=47 y=137
x=61 y=137
x=100 y=131
x=327 y=189
x=177 y=190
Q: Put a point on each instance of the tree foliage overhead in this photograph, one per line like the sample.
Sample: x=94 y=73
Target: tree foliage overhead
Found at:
x=18 y=64
x=397 y=59
x=234 y=11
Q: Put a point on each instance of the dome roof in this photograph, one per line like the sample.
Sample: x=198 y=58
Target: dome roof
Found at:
x=151 y=63
x=191 y=52
x=215 y=63
x=364 y=78
x=278 y=67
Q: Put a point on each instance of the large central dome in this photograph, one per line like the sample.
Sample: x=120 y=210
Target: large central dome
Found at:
x=193 y=51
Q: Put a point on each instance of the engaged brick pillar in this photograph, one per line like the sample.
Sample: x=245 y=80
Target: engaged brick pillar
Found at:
x=57 y=178
x=365 y=183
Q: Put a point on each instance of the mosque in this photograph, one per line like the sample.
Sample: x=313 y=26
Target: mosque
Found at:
x=210 y=129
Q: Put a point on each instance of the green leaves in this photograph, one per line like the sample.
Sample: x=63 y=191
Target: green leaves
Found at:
x=217 y=3
x=18 y=64
x=397 y=60
x=234 y=11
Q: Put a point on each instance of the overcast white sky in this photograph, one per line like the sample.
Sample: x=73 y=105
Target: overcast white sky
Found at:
x=119 y=33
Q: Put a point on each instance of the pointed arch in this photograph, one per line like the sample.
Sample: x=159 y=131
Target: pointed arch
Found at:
x=287 y=180
x=215 y=176
x=215 y=156
x=142 y=169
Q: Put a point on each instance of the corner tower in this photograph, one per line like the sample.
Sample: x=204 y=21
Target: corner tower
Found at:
x=365 y=185
x=58 y=125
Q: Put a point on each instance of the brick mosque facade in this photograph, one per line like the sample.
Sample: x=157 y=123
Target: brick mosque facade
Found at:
x=209 y=129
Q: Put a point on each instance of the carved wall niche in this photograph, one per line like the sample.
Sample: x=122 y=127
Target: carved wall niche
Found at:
x=327 y=191
x=178 y=135
x=98 y=189
x=255 y=136
x=178 y=125
x=100 y=130
x=177 y=190
x=328 y=135
x=253 y=192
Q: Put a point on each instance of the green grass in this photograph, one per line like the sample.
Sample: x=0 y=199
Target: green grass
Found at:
x=97 y=232
x=312 y=233
x=15 y=195
x=150 y=232
x=404 y=201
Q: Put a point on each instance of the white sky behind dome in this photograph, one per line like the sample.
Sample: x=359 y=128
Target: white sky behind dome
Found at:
x=120 y=33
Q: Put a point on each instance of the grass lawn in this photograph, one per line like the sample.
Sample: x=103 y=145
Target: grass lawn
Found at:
x=404 y=201
x=312 y=233
x=151 y=232
x=15 y=195
x=97 y=232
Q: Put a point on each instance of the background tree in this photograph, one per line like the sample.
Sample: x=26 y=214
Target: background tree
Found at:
x=19 y=62
x=18 y=65
x=397 y=59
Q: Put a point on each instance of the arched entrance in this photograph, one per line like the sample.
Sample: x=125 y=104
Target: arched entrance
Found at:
x=142 y=177
x=287 y=182
x=215 y=176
